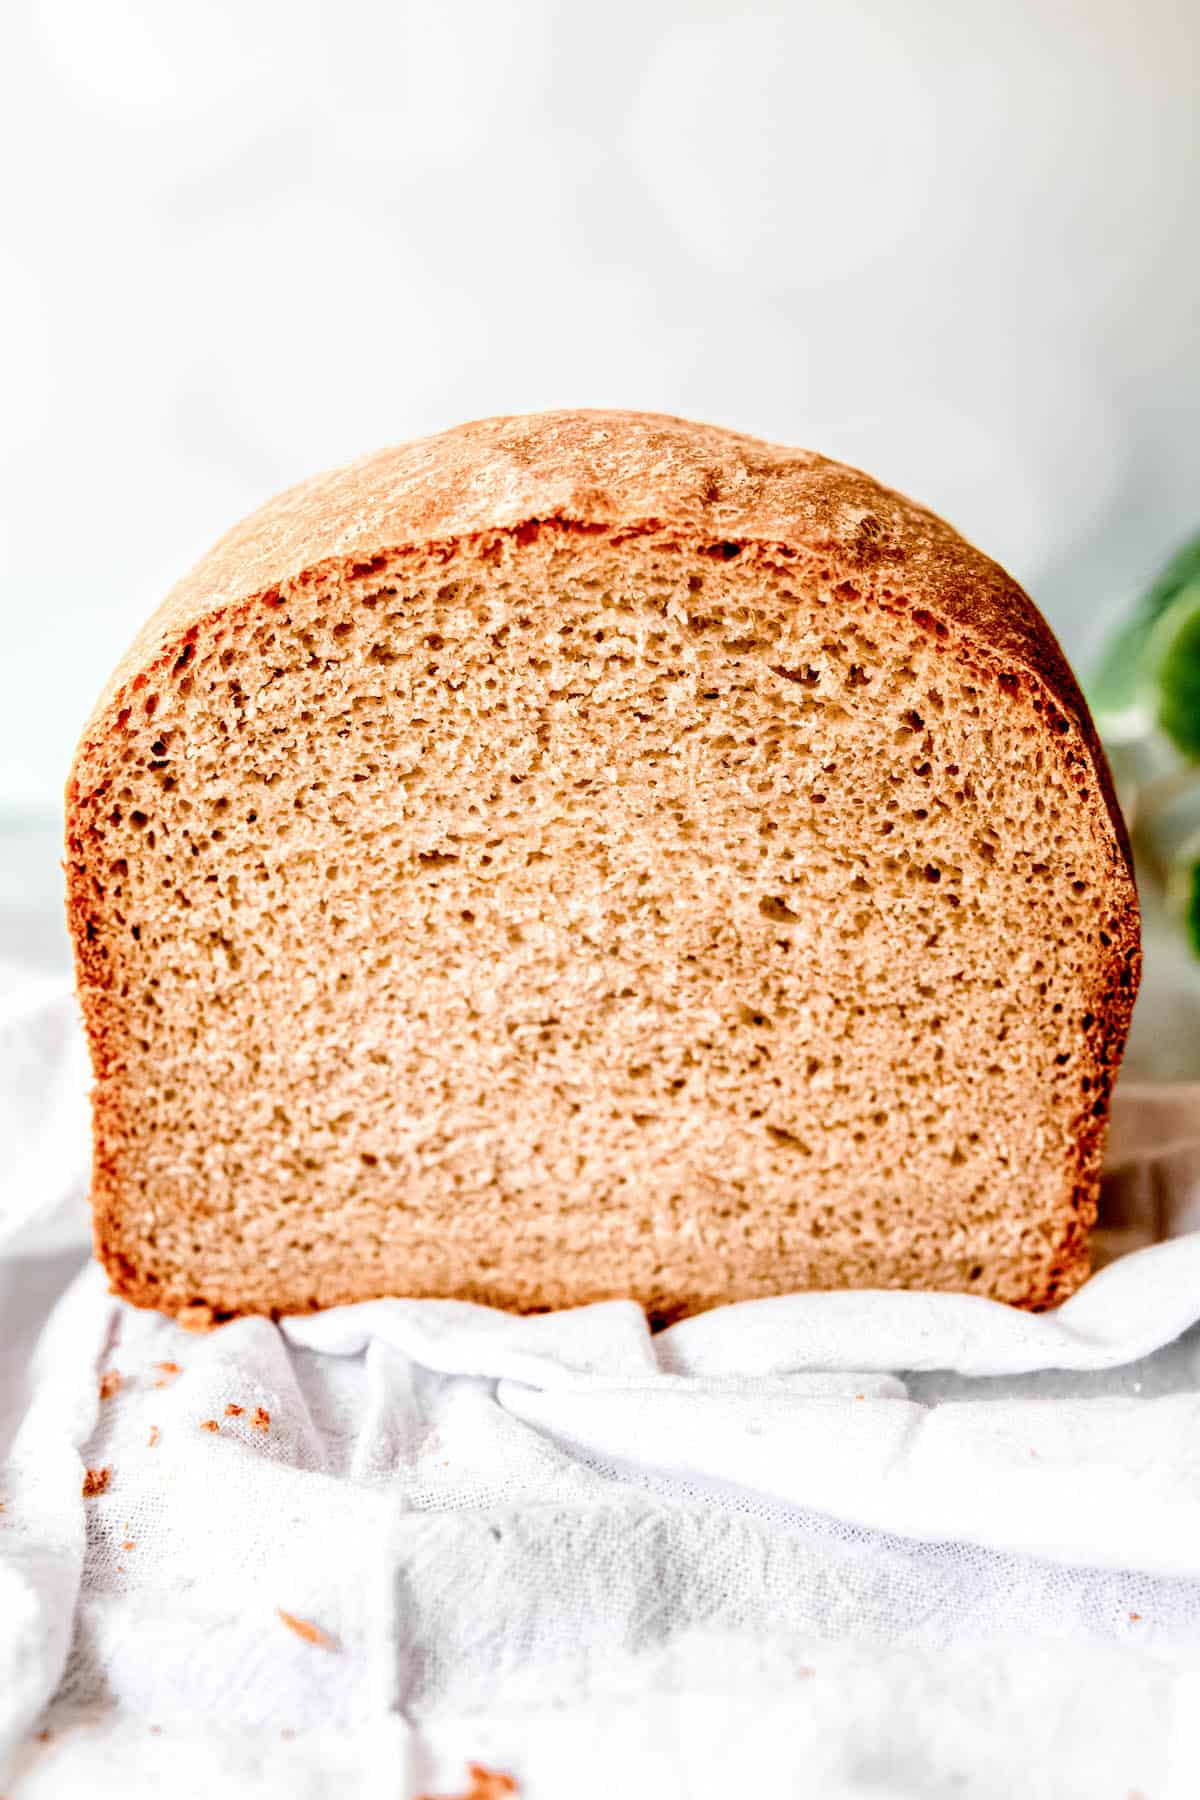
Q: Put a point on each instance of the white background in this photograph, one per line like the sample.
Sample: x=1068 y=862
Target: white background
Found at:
x=951 y=240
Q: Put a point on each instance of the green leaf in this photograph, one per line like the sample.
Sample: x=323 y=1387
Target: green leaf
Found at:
x=1191 y=911
x=1172 y=671
x=1124 y=694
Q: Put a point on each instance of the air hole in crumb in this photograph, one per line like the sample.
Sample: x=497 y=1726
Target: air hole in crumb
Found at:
x=788 y=1139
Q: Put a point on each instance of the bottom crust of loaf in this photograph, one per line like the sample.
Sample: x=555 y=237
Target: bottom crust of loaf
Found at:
x=1013 y=1283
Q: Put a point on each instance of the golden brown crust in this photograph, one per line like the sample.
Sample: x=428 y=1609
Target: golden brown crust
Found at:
x=620 y=474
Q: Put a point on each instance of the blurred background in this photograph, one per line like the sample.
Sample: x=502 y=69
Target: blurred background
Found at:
x=953 y=241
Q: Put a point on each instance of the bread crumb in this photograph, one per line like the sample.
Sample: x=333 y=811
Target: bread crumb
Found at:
x=128 y=1544
x=196 y=1318
x=209 y=1425
x=1136 y=1617
x=234 y=1412
x=169 y=1371
x=43 y=1736
x=95 y=1481
x=262 y=1419
x=153 y=1438
x=304 y=1628
x=110 y=1383
x=486 y=1784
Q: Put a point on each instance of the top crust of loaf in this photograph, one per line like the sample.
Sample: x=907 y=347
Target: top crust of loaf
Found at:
x=619 y=472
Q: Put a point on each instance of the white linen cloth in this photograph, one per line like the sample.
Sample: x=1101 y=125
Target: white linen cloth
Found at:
x=758 y=1552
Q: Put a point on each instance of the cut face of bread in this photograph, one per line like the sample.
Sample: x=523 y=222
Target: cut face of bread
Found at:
x=596 y=856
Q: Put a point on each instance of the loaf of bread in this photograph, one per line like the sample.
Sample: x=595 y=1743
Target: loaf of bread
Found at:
x=587 y=855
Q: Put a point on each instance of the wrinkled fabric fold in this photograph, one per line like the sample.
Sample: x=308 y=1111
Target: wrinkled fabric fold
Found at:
x=439 y=1529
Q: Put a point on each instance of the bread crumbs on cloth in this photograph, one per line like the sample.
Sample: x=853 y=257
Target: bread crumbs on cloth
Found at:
x=304 y=1628
x=486 y=1784
x=95 y=1481
x=262 y=1419
x=233 y=1411
x=110 y=1383
x=209 y=1425
x=196 y=1318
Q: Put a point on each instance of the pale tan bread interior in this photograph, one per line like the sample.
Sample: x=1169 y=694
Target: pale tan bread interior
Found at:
x=567 y=914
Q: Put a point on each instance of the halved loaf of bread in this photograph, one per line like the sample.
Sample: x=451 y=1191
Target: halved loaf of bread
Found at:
x=595 y=854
